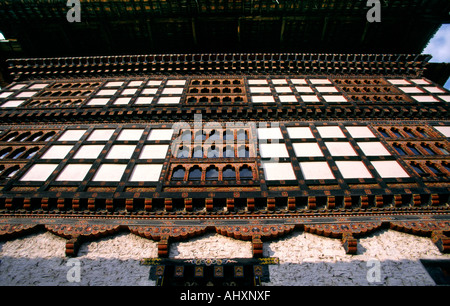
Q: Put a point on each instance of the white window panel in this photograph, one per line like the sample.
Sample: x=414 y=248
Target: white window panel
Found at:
x=135 y=83
x=425 y=99
x=278 y=171
x=146 y=173
x=154 y=152
x=39 y=172
x=263 y=99
x=98 y=101
x=13 y=103
x=121 y=152
x=288 y=98
x=143 y=100
x=129 y=91
x=411 y=89
x=304 y=89
x=26 y=94
x=334 y=98
x=445 y=98
x=273 y=150
x=71 y=135
x=150 y=91
x=89 y=151
x=310 y=98
x=101 y=135
x=169 y=100
x=281 y=89
x=106 y=92
x=57 y=152
x=257 y=82
x=6 y=94
x=269 y=133
x=433 y=89
x=373 y=149
x=326 y=89
x=154 y=83
x=420 y=81
x=113 y=84
x=160 y=134
x=109 y=173
x=122 y=100
x=353 y=169
x=172 y=91
x=340 y=149
x=38 y=86
x=130 y=134
x=307 y=149
x=18 y=86
x=279 y=81
x=299 y=81
x=389 y=169
x=330 y=132
x=444 y=130
x=260 y=89
x=398 y=81
x=320 y=81
x=300 y=132
x=360 y=132
x=74 y=172
x=316 y=171
x=176 y=82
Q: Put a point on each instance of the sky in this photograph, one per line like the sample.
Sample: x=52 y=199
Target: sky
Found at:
x=439 y=47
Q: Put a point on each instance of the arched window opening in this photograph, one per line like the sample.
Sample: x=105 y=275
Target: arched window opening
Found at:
x=212 y=174
x=198 y=152
x=183 y=152
x=17 y=153
x=5 y=152
x=399 y=149
x=213 y=152
x=228 y=173
x=195 y=174
x=178 y=174
x=245 y=173
x=228 y=152
x=30 y=153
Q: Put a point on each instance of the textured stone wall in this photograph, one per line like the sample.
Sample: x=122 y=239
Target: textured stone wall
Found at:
x=305 y=259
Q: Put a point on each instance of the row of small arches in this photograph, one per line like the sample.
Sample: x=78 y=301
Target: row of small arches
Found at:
x=215 y=90
x=215 y=82
x=19 y=153
x=420 y=149
x=28 y=136
x=212 y=173
x=212 y=152
x=433 y=168
x=8 y=172
x=241 y=134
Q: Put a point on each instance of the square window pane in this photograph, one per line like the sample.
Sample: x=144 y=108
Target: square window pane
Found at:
x=320 y=81
x=26 y=94
x=273 y=150
x=39 y=172
x=263 y=99
x=411 y=90
x=299 y=81
x=120 y=151
x=169 y=100
x=334 y=98
x=89 y=151
x=74 y=172
x=373 y=149
x=281 y=89
x=57 y=152
x=353 y=169
x=279 y=81
x=154 y=83
x=278 y=171
x=389 y=169
x=304 y=89
x=259 y=89
x=146 y=173
x=444 y=130
x=300 y=132
x=128 y=91
x=106 y=92
x=326 y=89
x=445 y=98
x=18 y=86
x=340 y=149
x=310 y=98
x=420 y=81
x=316 y=171
x=13 y=103
x=144 y=100
x=160 y=134
x=360 y=132
x=113 y=84
x=122 y=100
x=285 y=99
x=38 y=86
x=98 y=101
x=172 y=91
x=176 y=82
x=257 y=82
x=425 y=99
x=433 y=89
x=269 y=133
x=307 y=149
x=109 y=173
x=135 y=83
x=101 y=135
x=6 y=94
x=71 y=135
x=149 y=91
x=130 y=134
x=154 y=152
x=330 y=132
x=398 y=81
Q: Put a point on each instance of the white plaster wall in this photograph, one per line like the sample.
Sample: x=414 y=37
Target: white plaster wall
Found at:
x=305 y=259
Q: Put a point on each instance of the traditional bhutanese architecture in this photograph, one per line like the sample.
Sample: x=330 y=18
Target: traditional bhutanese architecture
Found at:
x=257 y=147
